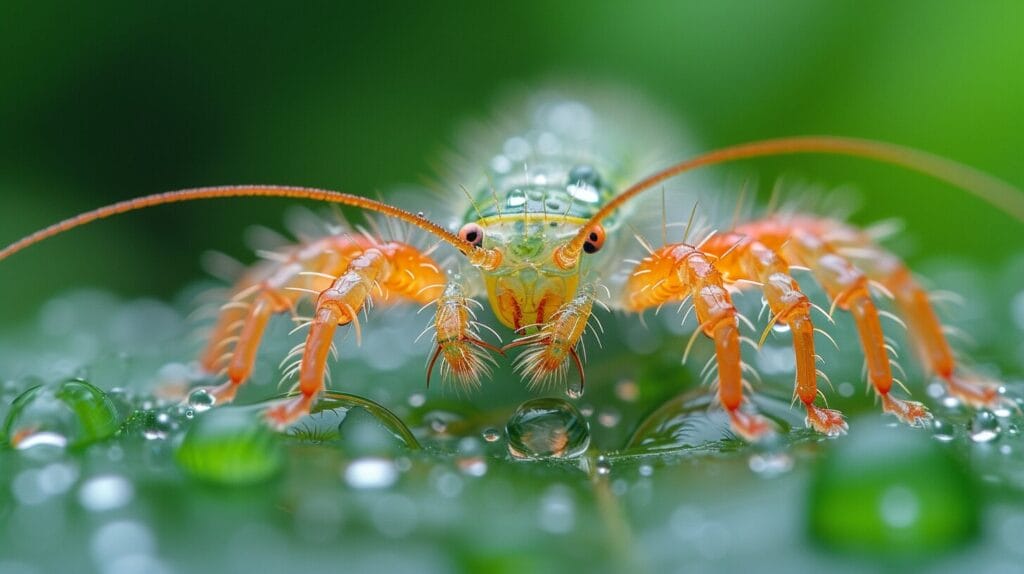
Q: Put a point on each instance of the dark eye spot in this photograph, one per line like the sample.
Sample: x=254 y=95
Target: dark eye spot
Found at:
x=472 y=233
x=589 y=247
x=593 y=236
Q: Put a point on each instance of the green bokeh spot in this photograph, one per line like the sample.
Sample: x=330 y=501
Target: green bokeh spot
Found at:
x=890 y=492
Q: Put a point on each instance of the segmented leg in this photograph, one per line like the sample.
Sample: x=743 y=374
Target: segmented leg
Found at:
x=915 y=308
x=847 y=286
x=271 y=288
x=549 y=349
x=675 y=272
x=396 y=268
x=744 y=258
x=459 y=346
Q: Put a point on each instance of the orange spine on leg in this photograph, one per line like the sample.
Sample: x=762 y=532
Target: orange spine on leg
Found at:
x=848 y=288
x=550 y=348
x=458 y=344
x=742 y=256
x=924 y=327
x=675 y=272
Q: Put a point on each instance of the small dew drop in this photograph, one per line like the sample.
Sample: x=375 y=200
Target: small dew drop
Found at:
x=780 y=328
x=846 y=389
x=942 y=431
x=984 y=427
x=371 y=473
x=603 y=466
x=417 y=400
x=645 y=470
x=574 y=390
x=491 y=435
x=201 y=400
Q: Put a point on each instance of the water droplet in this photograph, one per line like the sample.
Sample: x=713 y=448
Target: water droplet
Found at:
x=371 y=473
x=417 y=400
x=230 y=446
x=438 y=421
x=984 y=427
x=645 y=470
x=157 y=426
x=574 y=390
x=780 y=328
x=201 y=400
x=547 y=428
x=491 y=435
x=942 y=431
x=73 y=413
x=516 y=198
x=846 y=389
x=770 y=464
x=603 y=466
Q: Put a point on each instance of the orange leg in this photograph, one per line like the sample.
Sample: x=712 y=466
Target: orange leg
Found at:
x=676 y=272
x=274 y=287
x=397 y=269
x=923 y=325
x=742 y=257
x=848 y=288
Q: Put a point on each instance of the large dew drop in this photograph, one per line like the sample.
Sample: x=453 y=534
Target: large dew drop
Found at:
x=69 y=414
x=230 y=446
x=547 y=428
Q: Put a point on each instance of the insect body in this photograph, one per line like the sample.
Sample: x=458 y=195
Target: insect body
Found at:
x=544 y=234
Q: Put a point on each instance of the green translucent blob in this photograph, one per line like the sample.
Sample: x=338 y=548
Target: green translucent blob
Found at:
x=230 y=446
x=69 y=414
x=891 y=492
x=547 y=428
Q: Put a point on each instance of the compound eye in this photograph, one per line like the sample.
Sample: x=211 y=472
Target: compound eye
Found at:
x=472 y=233
x=595 y=240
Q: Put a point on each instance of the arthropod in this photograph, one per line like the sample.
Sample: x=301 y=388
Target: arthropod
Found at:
x=538 y=239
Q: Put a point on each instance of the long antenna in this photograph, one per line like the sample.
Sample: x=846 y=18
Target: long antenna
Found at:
x=480 y=257
x=991 y=189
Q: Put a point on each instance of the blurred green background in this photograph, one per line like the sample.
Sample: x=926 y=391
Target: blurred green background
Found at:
x=102 y=102
x=105 y=102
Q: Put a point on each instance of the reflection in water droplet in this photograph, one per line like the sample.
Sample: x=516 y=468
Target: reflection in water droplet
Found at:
x=491 y=434
x=547 y=428
x=645 y=470
x=984 y=427
x=72 y=413
x=574 y=390
x=603 y=466
x=371 y=472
